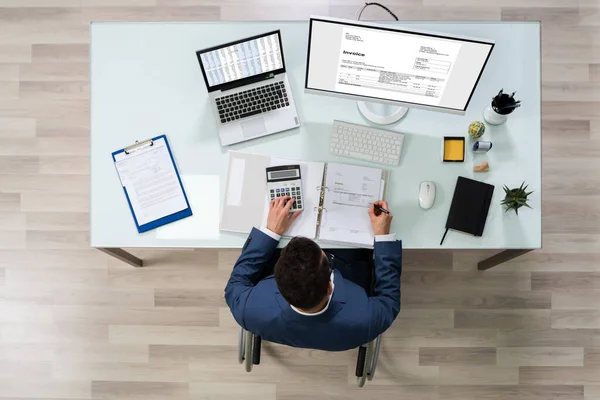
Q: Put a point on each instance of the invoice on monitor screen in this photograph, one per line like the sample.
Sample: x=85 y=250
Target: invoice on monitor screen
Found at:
x=402 y=66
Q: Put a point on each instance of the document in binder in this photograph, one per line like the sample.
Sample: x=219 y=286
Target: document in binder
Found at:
x=336 y=198
x=151 y=183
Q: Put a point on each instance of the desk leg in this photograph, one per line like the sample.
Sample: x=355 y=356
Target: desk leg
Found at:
x=499 y=258
x=122 y=255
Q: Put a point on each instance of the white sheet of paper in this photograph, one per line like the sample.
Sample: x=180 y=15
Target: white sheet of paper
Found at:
x=236 y=182
x=149 y=176
x=311 y=174
x=350 y=191
x=203 y=194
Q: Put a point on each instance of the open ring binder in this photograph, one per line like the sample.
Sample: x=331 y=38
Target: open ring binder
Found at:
x=334 y=198
x=319 y=209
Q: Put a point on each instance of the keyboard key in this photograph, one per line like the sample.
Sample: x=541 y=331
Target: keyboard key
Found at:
x=223 y=120
x=250 y=113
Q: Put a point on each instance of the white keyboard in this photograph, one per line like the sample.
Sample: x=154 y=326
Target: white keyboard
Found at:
x=366 y=143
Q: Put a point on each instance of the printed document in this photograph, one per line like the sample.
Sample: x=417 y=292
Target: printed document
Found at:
x=148 y=175
x=349 y=192
x=203 y=196
x=410 y=67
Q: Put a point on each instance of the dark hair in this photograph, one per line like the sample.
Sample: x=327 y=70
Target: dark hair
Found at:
x=302 y=273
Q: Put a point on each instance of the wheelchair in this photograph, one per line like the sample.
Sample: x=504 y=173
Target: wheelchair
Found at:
x=249 y=345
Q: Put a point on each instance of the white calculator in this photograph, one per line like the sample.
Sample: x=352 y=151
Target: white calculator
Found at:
x=285 y=180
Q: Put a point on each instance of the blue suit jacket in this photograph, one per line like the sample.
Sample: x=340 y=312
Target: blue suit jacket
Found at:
x=351 y=320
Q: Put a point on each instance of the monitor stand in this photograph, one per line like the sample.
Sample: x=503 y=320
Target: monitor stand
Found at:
x=381 y=114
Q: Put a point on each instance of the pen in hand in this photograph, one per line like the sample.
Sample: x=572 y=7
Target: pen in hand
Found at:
x=381 y=209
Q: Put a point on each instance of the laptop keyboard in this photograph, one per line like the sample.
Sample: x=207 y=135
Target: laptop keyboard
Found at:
x=252 y=102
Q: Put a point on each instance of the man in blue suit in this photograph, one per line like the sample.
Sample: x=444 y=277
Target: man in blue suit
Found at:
x=307 y=303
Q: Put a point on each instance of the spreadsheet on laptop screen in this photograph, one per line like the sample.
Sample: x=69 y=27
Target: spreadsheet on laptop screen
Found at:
x=242 y=60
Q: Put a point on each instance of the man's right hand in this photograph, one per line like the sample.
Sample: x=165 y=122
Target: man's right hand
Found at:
x=380 y=221
x=279 y=218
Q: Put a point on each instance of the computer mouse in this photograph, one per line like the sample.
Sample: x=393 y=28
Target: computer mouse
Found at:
x=426 y=194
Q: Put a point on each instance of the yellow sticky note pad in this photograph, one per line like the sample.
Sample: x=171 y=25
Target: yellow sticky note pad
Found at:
x=454 y=149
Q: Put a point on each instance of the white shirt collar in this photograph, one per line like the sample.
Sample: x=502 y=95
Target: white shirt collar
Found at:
x=326 y=306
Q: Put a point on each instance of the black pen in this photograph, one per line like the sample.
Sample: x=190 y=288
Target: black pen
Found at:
x=379 y=208
x=509 y=107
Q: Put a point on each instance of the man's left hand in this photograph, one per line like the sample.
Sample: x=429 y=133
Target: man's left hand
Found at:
x=280 y=219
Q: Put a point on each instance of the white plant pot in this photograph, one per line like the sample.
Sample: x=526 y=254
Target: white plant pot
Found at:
x=492 y=117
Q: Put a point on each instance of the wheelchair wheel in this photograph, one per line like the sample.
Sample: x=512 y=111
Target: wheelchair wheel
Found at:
x=248 y=352
x=241 y=345
x=373 y=365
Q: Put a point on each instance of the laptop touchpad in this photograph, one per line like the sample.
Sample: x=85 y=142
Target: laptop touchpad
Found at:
x=254 y=127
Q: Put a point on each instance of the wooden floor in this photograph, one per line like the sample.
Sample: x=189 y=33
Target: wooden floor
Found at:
x=77 y=325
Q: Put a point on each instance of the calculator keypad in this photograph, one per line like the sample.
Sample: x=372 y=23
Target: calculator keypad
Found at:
x=293 y=192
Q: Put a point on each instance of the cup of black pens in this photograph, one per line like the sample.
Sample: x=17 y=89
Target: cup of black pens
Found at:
x=501 y=107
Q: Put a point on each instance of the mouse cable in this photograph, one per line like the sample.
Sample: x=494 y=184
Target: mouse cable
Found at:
x=359 y=12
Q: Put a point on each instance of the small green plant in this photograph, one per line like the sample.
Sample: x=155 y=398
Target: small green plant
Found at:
x=516 y=198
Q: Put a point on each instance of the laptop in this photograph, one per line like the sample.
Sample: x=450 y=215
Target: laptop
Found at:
x=248 y=87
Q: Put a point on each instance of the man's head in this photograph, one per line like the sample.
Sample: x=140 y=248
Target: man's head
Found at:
x=302 y=274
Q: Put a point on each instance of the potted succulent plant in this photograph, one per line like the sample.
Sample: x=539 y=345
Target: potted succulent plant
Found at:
x=516 y=198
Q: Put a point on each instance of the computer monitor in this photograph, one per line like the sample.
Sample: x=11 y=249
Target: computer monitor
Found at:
x=385 y=64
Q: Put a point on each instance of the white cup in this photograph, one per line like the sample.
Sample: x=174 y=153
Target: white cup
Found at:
x=492 y=117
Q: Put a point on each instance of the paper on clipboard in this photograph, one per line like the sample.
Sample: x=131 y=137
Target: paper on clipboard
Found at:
x=203 y=195
x=151 y=182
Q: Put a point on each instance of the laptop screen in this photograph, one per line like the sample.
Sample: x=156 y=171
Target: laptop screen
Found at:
x=242 y=59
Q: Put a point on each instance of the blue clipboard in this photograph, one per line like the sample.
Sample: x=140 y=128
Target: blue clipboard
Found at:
x=169 y=218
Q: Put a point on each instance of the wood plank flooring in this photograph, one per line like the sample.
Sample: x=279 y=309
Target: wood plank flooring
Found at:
x=75 y=324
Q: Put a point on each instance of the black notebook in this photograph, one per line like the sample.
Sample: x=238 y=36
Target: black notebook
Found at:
x=470 y=206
